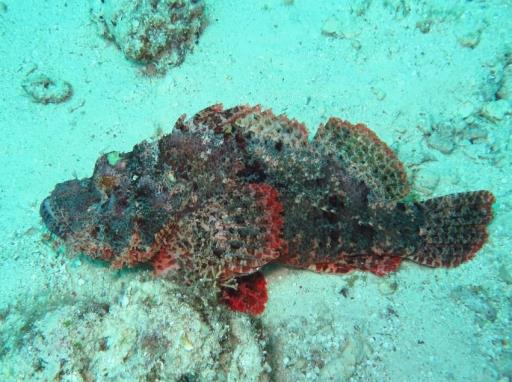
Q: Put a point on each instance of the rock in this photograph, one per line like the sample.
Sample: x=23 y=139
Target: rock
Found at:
x=158 y=32
x=505 y=90
x=470 y=39
x=469 y=31
x=441 y=140
x=45 y=90
x=475 y=134
x=495 y=111
x=466 y=109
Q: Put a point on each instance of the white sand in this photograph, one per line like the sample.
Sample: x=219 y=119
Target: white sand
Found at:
x=377 y=68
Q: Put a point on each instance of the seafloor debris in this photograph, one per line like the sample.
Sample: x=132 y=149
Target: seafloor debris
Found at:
x=150 y=332
x=43 y=89
x=229 y=191
x=154 y=32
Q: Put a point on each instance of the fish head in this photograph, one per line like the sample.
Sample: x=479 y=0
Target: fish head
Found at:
x=105 y=209
x=69 y=206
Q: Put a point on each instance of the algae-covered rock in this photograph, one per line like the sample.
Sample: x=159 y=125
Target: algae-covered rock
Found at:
x=152 y=331
x=157 y=32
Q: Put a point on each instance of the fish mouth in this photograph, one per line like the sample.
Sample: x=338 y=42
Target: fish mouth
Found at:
x=51 y=219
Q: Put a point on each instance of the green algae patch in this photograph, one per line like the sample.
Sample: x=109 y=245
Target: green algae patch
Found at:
x=113 y=157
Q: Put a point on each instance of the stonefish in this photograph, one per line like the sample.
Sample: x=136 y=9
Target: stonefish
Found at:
x=229 y=191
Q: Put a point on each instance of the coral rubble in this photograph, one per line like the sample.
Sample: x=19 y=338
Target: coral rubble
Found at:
x=150 y=332
x=43 y=89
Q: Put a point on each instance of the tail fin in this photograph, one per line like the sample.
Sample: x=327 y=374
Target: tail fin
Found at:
x=453 y=228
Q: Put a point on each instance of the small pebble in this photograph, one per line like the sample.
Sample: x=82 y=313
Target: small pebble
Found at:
x=424 y=25
x=355 y=44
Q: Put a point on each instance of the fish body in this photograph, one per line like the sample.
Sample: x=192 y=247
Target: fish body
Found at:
x=229 y=191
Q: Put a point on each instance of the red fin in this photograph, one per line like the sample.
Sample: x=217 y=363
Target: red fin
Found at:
x=249 y=297
x=376 y=264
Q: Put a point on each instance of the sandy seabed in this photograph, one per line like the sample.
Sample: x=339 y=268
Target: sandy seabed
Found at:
x=432 y=78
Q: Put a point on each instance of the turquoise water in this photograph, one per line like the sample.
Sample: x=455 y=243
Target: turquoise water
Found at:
x=433 y=79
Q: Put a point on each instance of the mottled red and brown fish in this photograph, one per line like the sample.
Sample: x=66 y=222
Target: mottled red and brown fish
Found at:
x=229 y=191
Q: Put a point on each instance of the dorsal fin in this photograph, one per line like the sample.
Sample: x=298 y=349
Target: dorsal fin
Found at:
x=248 y=121
x=214 y=118
x=265 y=125
x=365 y=156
